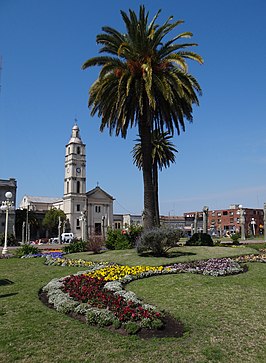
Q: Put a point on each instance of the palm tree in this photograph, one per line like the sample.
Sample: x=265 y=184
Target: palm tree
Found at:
x=163 y=154
x=143 y=82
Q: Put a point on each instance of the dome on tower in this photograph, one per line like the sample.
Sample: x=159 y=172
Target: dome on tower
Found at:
x=75 y=137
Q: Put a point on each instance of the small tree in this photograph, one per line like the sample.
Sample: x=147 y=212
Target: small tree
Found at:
x=235 y=238
x=200 y=239
x=51 y=220
x=158 y=240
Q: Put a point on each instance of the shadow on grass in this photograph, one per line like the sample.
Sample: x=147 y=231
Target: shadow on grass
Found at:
x=172 y=254
x=8 y=295
x=6 y=282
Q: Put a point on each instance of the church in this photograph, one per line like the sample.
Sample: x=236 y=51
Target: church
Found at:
x=88 y=212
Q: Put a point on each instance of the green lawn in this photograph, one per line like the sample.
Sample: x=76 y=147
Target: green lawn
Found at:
x=179 y=254
x=224 y=317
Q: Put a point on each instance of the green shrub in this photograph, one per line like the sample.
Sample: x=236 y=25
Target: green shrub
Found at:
x=131 y=327
x=76 y=246
x=158 y=240
x=133 y=233
x=117 y=240
x=100 y=317
x=235 y=238
x=200 y=239
x=11 y=241
x=27 y=250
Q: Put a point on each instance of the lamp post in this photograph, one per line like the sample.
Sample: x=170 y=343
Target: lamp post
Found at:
x=103 y=227
x=205 y=219
x=83 y=220
x=242 y=222
x=253 y=223
x=59 y=229
x=6 y=205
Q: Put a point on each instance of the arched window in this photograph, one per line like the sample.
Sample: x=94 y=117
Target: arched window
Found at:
x=78 y=150
x=78 y=187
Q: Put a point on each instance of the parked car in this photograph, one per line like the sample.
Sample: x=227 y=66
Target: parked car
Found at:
x=67 y=237
x=54 y=240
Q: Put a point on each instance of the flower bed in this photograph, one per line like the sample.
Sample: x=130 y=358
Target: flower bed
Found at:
x=251 y=258
x=99 y=294
x=50 y=254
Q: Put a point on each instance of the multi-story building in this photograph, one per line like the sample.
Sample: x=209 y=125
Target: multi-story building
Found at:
x=225 y=221
x=87 y=213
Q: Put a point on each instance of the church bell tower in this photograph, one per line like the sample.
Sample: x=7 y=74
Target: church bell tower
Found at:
x=75 y=181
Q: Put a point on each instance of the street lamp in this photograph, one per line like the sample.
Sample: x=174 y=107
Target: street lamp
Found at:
x=6 y=205
x=253 y=223
x=103 y=227
x=241 y=212
x=205 y=219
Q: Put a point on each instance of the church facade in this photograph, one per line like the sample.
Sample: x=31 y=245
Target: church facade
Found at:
x=88 y=212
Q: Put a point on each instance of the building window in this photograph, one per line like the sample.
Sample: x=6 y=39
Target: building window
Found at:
x=98 y=228
x=78 y=150
x=231 y=220
x=78 y=187
x=225 y=213
x=117 y=225
x=97 y=209
x=78 y=207
x=78 y=223
x=231 y=213
x=67 y=187
x=219 y=214
x=69 y=150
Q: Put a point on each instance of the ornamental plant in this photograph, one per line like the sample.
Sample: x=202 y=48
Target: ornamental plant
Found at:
x=200 y=239
x=117 y=240
x=86 y=289
x=158 y=240
x=235 y=238
x=27 y=250
x=99 y=295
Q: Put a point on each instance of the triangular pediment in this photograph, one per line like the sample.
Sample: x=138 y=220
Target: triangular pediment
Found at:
x=98 y=194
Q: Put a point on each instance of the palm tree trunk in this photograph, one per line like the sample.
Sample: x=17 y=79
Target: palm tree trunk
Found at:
x=146 y=146
x=156 y=194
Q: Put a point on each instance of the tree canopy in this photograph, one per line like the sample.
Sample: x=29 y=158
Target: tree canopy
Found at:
x=51 y=220
x=144 y=82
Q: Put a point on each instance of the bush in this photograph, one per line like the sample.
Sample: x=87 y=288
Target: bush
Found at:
x=27 y=250
x=131 y=327
x=11 y=241
x=95 y=244
x=235 y=238
x=76 y=246
x=117 y=240
x=200 y=239
x=133 y=233
x=158 y=240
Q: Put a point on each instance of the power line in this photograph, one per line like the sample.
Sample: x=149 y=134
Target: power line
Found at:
x=120 y=205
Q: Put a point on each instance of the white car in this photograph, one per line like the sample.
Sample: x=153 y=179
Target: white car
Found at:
x=67 y=237
x=54 y=240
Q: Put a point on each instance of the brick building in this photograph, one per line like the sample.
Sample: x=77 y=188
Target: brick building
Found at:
x=224 y=221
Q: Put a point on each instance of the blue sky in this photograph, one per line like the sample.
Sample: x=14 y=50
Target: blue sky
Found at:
x=222 y=154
